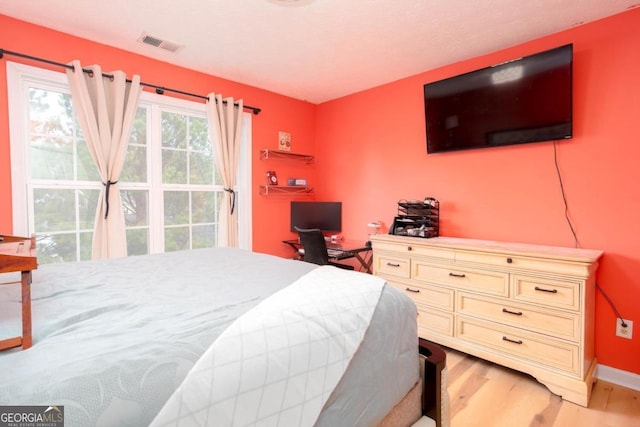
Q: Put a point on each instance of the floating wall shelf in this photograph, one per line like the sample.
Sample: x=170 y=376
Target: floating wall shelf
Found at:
x=276 y=154
x=285 y=189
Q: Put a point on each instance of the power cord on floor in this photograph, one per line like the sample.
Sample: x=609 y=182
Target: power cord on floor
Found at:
x=573 y=231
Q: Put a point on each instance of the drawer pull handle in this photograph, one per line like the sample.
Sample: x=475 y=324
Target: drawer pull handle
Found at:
x=457 y=275
x=516 y=313
x=391 y=264
x=409 y=248
x=509 y=260
x=415 y=291
x=552 y=291
x=510 y=340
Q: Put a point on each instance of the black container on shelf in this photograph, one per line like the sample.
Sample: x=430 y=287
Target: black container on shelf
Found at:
x=417 y=218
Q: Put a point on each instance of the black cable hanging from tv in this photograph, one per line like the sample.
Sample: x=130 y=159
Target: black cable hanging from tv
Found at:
x=160 y=90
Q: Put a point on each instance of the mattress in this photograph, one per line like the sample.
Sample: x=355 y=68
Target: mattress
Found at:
x=113 y=339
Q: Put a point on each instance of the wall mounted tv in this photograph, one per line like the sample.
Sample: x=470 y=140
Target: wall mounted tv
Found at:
x=327 y=216
x=525 y=100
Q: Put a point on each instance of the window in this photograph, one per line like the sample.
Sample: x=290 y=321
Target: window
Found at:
x=170 y=189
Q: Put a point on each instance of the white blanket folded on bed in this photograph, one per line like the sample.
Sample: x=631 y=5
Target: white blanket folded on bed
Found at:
x=278 y=364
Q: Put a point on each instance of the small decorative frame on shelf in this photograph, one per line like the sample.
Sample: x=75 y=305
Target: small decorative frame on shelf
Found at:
x=285 y=189
x=275 y=154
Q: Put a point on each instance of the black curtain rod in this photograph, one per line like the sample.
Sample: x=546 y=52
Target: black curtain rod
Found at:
x=160 y=90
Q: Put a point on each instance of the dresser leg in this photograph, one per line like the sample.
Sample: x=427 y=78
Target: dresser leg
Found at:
x=572 y=389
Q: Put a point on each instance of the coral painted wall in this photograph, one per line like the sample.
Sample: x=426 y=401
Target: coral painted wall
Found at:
x=278 y=113
x=370 y=152
x=376 y=140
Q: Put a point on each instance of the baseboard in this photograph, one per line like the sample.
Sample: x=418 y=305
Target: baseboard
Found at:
x=619 y=377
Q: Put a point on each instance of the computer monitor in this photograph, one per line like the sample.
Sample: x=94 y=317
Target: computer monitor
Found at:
x=326 y=216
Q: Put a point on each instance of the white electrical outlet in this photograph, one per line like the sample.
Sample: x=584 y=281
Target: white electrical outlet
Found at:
x=622 y=331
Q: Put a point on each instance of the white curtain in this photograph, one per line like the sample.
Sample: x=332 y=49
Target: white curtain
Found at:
x=106 y=108
x=225 y=127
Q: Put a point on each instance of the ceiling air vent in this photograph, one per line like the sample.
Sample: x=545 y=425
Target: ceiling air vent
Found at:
x=162 y=44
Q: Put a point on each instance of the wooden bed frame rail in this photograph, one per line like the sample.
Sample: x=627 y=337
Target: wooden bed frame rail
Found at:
x=432 y=394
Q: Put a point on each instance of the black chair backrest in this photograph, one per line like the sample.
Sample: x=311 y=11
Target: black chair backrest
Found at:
x=314 y=245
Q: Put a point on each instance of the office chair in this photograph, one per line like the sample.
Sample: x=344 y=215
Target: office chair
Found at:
x=315 y=248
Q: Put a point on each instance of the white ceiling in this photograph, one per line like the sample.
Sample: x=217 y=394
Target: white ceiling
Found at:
x=313 y=50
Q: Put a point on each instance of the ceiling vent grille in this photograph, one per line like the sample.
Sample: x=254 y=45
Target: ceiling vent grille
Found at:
x=159 y=43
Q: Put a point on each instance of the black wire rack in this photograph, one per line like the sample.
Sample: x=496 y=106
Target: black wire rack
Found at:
x=417 y=218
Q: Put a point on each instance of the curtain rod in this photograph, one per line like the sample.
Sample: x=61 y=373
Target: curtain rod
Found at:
x=160 y=90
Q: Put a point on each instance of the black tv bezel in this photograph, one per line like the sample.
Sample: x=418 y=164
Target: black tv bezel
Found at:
x=553 y=134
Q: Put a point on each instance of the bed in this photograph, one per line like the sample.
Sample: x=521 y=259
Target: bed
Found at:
x=131 y=341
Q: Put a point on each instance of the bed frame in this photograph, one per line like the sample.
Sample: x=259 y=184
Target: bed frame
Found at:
x=434 y=393
x=427 y=403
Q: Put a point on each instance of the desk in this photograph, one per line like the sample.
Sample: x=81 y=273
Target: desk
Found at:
x=19 y=254
x=343 y=249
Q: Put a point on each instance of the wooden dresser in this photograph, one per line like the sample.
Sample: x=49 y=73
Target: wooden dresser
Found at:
x=527 y=307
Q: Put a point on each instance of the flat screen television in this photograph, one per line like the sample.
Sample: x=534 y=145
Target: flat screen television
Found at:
x=528 y=99
x=327 y=216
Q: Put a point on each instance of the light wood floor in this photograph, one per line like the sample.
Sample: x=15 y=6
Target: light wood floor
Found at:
x=486 y=395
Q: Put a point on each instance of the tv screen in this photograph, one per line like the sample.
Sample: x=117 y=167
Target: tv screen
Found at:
x=525 y=100
x=327 y=216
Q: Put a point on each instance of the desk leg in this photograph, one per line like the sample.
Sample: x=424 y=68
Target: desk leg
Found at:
x=296 y=250
x=365 y=263
x=26 y=310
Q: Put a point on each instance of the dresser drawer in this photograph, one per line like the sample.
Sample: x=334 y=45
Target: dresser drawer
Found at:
x=524 y=262
x=431 y=296
x=389 y=246
x=434 y=322
x=554 y=323
x=414 y=249
x=548 y=292
x=508 y=341
x=489 y=282
x=390 y=265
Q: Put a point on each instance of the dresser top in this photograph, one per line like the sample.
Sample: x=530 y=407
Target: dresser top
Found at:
x=526 y=249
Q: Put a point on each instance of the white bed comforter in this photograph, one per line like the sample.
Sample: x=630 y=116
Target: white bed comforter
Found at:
x=278 y=364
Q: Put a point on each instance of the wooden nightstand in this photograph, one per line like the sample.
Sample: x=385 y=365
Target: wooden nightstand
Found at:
x=19 y=254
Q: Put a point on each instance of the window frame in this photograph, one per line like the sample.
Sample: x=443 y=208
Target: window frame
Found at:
x=20 y=77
